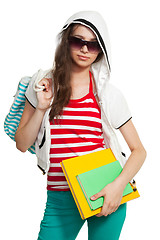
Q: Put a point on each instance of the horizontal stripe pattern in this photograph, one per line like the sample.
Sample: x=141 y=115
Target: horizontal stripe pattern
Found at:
x=78 y=132
x=13 y=118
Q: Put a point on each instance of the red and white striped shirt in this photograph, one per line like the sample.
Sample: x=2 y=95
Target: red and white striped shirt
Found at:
x=78 y=132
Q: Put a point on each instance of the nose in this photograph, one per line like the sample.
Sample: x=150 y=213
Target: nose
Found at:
x=84 y=49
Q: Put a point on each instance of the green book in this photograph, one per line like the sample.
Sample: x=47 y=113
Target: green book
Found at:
x=95 y=180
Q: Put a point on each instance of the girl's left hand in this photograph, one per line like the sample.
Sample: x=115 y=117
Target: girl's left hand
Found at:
x=112 y=194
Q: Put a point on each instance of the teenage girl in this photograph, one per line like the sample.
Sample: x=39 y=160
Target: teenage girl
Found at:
x=73 y=110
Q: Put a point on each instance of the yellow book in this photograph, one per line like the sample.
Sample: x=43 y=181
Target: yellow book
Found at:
x=77 y=165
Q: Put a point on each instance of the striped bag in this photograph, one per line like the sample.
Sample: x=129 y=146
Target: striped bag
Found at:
x=13 y=118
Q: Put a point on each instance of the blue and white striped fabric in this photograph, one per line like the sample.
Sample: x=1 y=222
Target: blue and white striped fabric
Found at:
x=13 y=118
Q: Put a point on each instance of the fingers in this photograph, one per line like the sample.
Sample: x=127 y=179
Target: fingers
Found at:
x=108 y=206
x=98 y=195
x=46 y=82
x=107 y=209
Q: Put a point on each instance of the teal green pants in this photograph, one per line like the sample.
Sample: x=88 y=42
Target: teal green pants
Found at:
x=62 y=220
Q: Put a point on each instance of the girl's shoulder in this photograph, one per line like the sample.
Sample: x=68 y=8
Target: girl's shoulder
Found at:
x=112 y=89
x=115 y=104
x=113 y=94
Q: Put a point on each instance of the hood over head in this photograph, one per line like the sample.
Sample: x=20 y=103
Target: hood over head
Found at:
x=101 y=70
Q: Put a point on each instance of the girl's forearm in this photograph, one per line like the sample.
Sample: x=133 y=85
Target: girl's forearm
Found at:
x=132 y=166
x=26 y=135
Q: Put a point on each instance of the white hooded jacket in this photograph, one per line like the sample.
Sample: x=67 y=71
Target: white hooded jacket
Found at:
x=114 y=109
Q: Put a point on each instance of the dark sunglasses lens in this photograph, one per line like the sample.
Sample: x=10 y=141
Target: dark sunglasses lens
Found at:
x=93 y=47
x=75 y=43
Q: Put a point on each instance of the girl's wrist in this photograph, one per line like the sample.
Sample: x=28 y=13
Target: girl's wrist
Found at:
x=121 y=182
x=40 y=110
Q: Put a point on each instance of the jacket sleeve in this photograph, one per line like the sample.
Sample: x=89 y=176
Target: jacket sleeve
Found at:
x=118 y=108
x=30 y=94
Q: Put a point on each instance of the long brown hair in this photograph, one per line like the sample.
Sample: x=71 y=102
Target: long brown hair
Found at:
x=61 y=74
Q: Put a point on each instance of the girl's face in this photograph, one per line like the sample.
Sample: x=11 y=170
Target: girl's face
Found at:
x=83 y=54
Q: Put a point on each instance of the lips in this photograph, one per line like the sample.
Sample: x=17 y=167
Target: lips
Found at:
x=84 y=58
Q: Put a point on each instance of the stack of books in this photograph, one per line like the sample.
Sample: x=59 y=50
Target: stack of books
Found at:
x=89 y=174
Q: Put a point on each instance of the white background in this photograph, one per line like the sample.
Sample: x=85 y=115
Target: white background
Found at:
x=28 y=31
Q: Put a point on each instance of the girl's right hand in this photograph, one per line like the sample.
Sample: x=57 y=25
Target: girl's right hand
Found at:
x=45 y=96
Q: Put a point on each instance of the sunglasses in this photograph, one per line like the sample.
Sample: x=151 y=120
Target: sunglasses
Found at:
x=78 y=43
